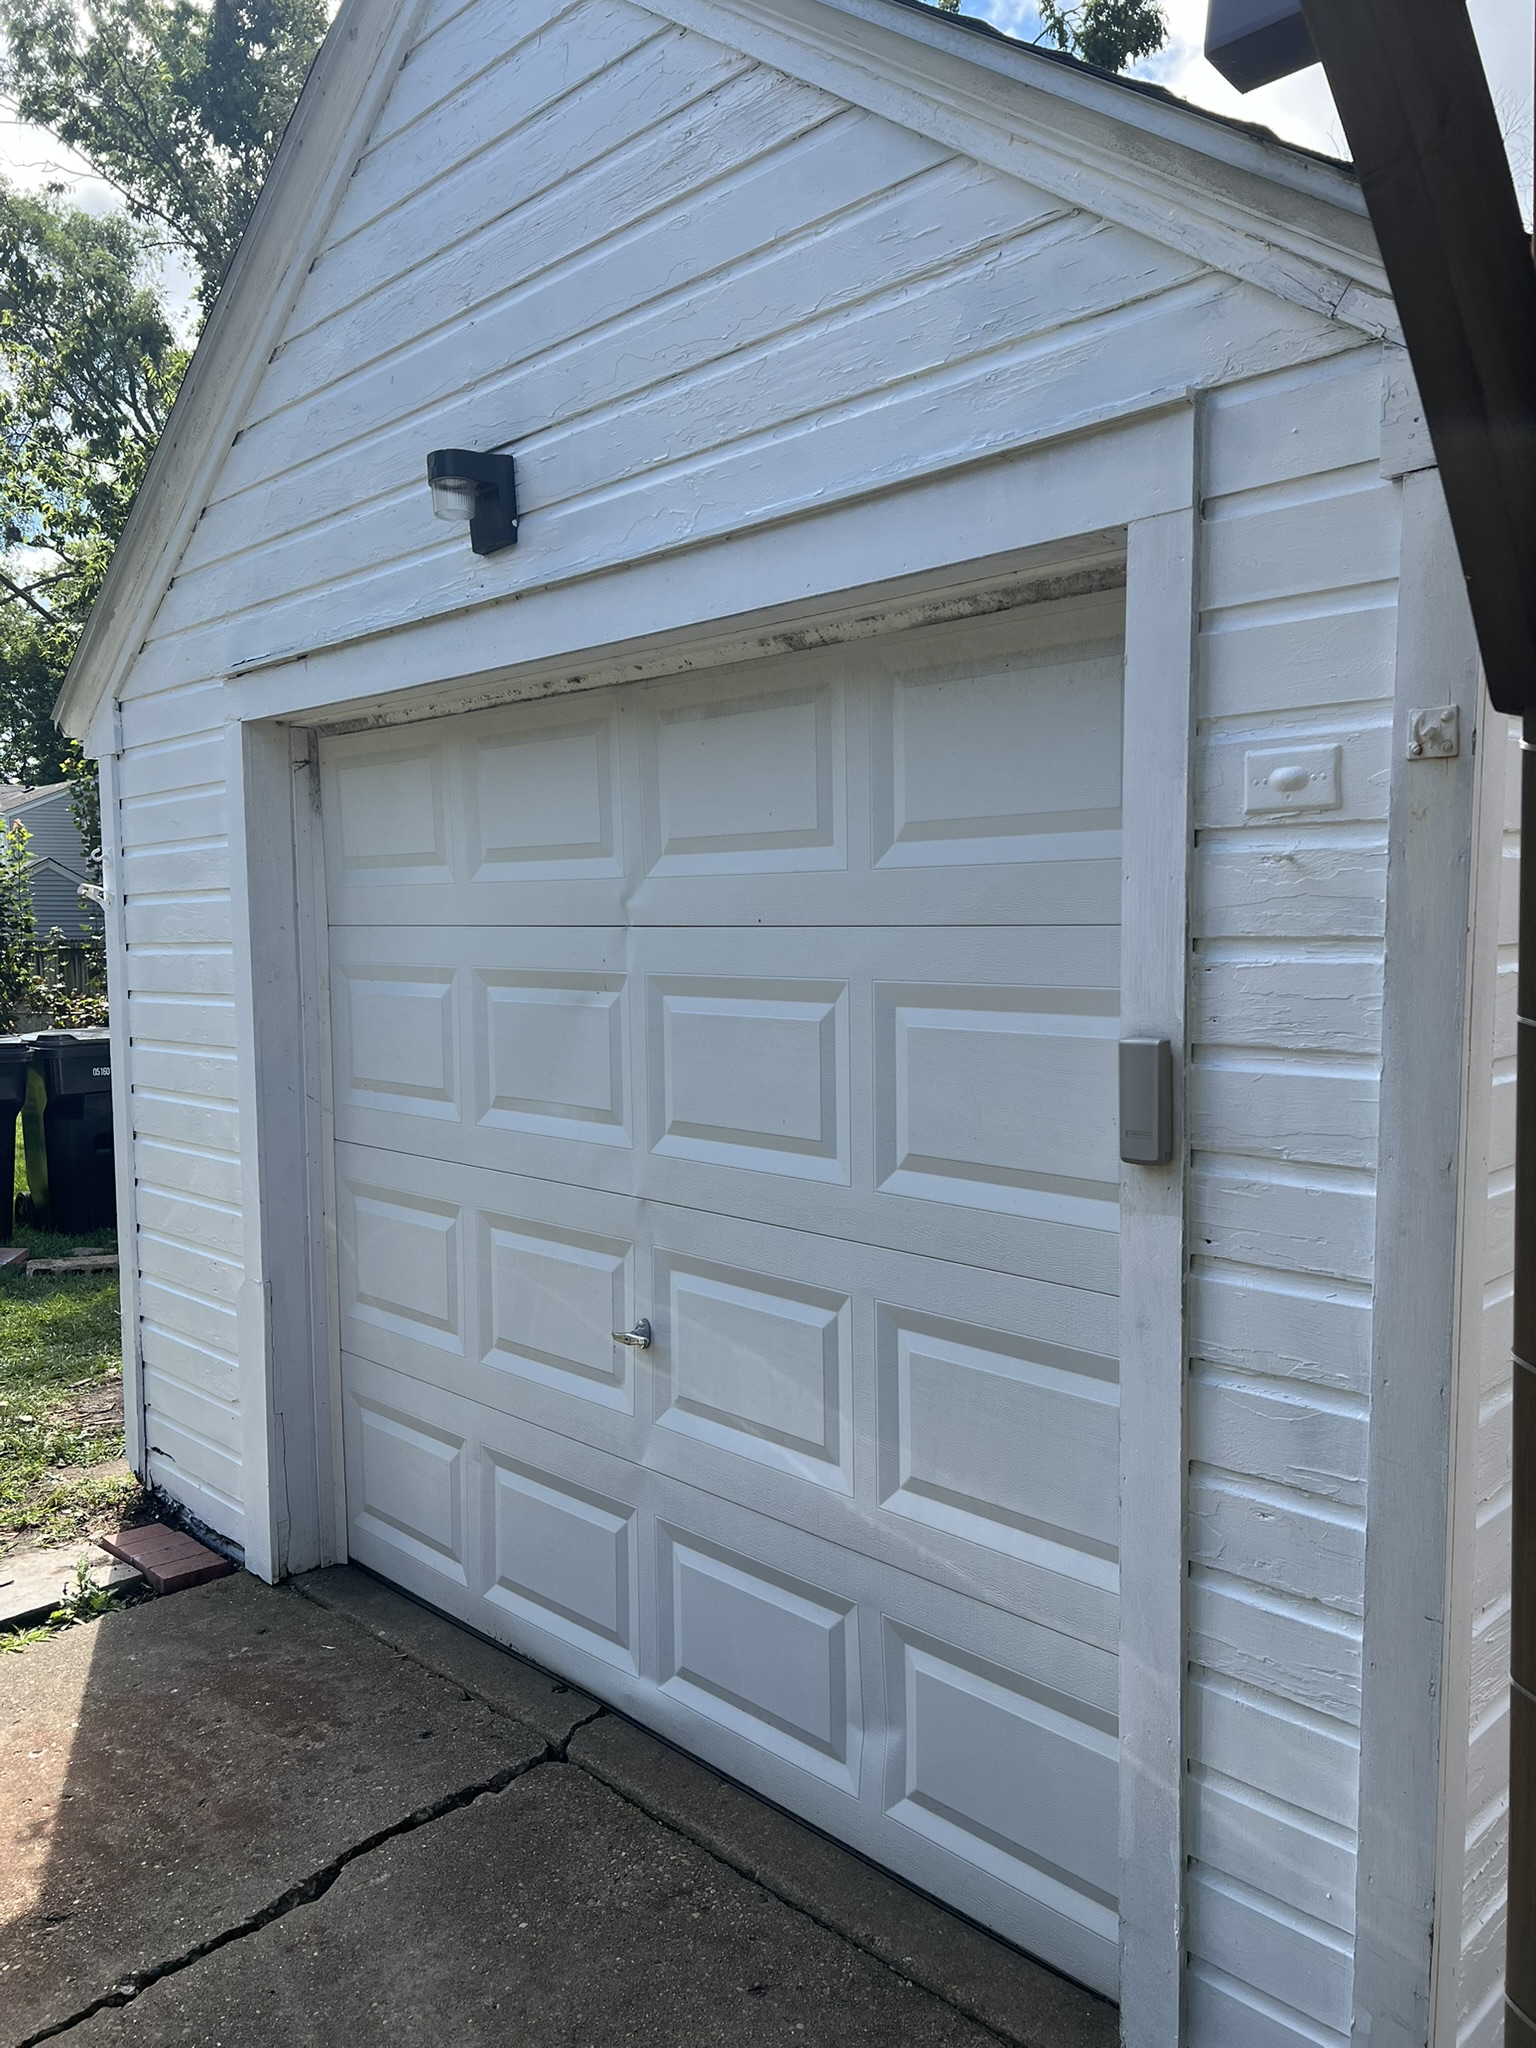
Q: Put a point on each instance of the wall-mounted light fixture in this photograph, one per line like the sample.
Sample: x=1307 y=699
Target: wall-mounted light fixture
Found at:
x=478 y=488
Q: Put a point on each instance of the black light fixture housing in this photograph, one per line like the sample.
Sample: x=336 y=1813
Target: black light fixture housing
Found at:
x=1254 y=42
x=480 y=488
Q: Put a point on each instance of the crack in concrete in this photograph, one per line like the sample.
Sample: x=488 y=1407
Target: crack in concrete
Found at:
x=764 y=1884
x=304 y=1893
x=319 y=1882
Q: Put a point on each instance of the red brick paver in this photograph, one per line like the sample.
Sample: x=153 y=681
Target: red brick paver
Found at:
x=169 y=1558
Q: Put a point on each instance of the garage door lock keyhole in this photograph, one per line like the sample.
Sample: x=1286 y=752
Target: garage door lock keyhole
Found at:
x=639 y=1338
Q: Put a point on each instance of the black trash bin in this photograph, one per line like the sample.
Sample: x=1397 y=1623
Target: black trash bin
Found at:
x=15 y=1065
x=66 y=1128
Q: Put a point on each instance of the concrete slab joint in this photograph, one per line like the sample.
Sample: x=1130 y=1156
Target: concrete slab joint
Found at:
x=255 y=1814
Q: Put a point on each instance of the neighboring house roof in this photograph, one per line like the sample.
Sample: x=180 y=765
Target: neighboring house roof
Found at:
x=15 y=799
x=1228 y=193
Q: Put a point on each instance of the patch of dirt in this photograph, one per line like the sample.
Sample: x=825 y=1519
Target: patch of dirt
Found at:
x=94 y=1406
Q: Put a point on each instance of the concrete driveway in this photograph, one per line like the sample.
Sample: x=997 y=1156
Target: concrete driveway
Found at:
x=318 y=1813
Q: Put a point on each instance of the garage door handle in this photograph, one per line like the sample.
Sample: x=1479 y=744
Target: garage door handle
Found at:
x=639 y=1337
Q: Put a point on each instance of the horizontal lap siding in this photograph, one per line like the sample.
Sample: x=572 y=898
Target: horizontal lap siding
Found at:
x=173 y=877
x=1297 y=636
x=695 y=294
x=1480 y=1975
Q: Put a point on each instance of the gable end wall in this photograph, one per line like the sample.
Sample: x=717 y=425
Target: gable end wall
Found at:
x=707 y=293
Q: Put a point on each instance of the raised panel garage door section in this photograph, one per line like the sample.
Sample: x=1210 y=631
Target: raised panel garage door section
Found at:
x=777 y=1007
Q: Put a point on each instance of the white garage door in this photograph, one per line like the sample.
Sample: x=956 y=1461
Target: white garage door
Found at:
x=777 y=1007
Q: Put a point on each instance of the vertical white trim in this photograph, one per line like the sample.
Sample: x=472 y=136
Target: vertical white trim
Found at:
x=320 y=1196
x=116 y=934
x=1490 y=767
x=281 y=1401
x=1415 y=1318
x=1160 y=640
x=249 y=834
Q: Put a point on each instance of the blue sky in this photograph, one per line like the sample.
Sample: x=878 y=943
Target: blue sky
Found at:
x=1300 y=109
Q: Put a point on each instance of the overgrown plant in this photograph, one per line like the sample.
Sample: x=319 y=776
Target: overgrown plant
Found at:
x=18 y=929
x=84 y=1600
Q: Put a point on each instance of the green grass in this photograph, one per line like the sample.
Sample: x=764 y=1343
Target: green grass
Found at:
x=60 y=1415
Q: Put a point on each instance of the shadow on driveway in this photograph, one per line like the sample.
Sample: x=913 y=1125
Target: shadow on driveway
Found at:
x=243 y=1816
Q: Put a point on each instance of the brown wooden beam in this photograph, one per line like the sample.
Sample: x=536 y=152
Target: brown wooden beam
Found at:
x=1411 y=92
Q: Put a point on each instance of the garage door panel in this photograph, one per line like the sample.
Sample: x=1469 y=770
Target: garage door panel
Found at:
x=1007 y=757
x=551 y=1053
x=561 y=1557
x=825 y=1679
x=542 y=801
x=594 y=1061
x=778 y=1008
x=1003 y=1773
x=961 y=1424
x=1003 y=1440
x=737 y=781
x=838 y=788
x=402 y=1262
x=396 y=1032
x=755 y=1364
x=407 y=1481
x=1000 y=1098
x=751 y=1073
x=549 y=1300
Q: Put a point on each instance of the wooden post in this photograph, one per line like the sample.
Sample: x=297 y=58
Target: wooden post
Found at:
x=1413 y=97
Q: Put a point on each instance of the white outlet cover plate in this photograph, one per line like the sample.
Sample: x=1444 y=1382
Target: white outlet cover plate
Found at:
x=1280 y=779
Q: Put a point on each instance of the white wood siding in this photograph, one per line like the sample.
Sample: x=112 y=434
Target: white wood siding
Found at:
x=176 y=968
x=697 y=295
x=1297 y=639
x=702 y=298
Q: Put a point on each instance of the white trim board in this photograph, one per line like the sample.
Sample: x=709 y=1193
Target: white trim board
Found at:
x=1052 y=507
x=1160 y=653
x=122 y=1119
x=1415 y=1322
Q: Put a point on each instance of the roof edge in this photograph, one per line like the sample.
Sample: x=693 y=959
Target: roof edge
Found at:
x=1249 y=132
x=349 y=75
x=1131 y=151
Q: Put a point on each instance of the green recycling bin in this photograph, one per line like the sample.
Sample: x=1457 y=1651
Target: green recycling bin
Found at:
x=66 y=1130
x=15 y=1065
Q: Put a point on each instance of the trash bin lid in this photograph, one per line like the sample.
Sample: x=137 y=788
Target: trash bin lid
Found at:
x=15 y=1065
x=73 y=1062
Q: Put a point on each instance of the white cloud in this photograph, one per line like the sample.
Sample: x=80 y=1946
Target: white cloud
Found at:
x=1301 y=109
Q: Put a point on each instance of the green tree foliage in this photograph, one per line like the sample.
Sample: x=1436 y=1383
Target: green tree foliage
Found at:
x=17 y=928
x=1108 y=33
x=88 y=369
x=178 y=104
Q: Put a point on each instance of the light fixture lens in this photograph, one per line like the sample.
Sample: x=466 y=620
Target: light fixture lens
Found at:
x=454 y=498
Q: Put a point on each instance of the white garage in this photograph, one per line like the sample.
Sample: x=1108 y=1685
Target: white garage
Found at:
x=621 y=1006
